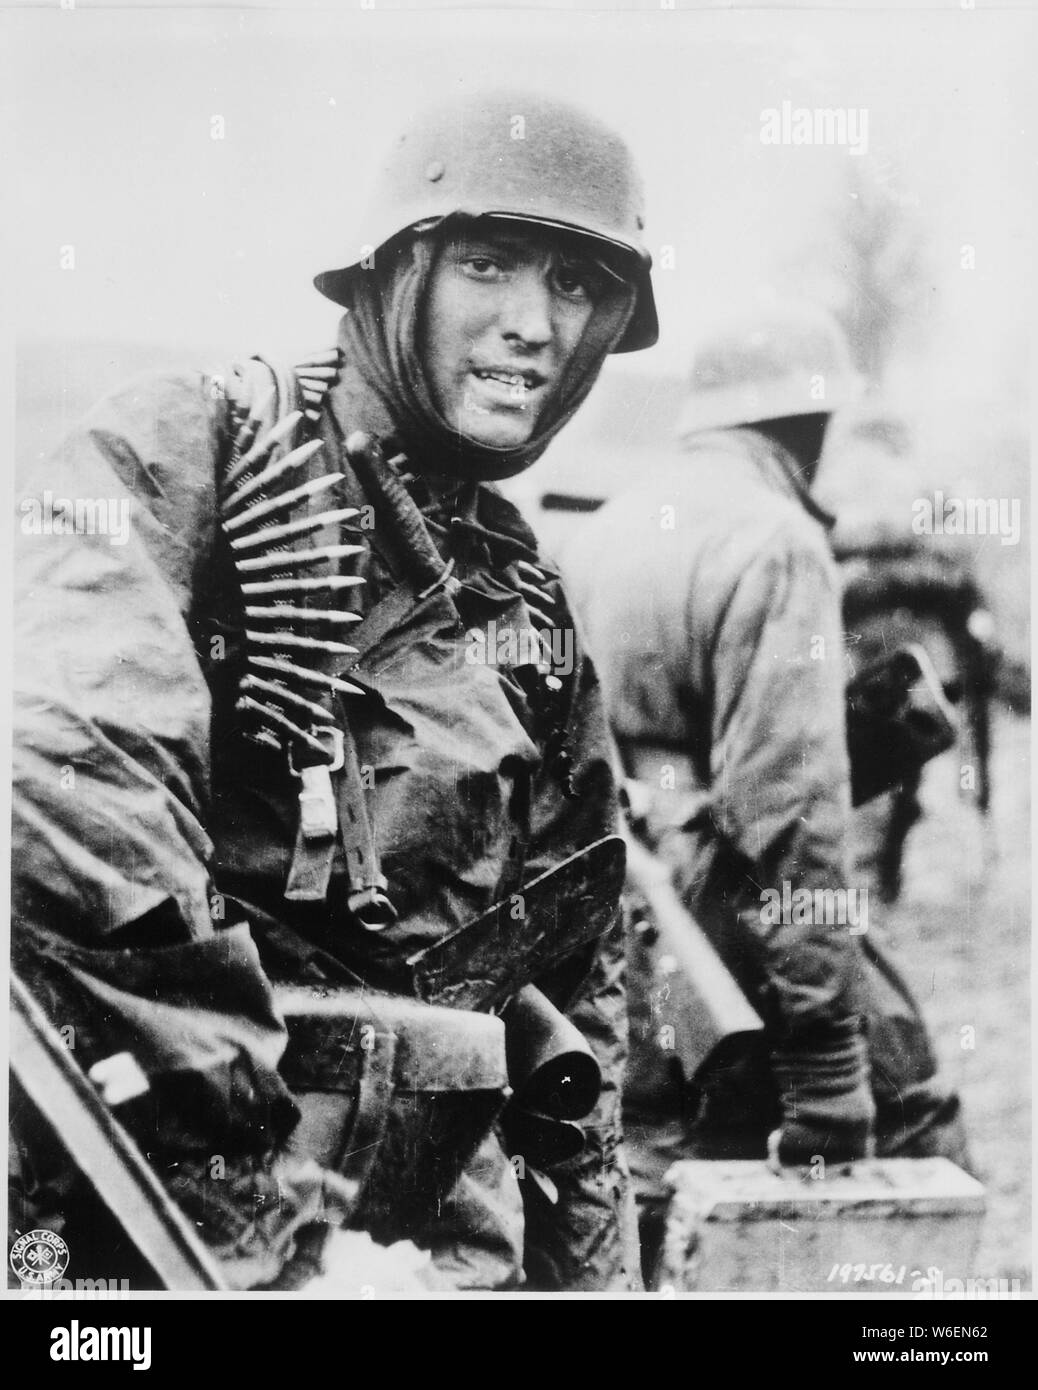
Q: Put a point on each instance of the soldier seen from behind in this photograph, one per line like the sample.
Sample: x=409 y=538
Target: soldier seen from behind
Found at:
x=711 y=603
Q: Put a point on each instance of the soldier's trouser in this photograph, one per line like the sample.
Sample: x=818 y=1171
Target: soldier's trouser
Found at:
x=917 y=1114
x=496 y=1227
x=477 y=1240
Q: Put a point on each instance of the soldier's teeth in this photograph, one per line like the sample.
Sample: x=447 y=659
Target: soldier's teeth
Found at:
x=503 y=377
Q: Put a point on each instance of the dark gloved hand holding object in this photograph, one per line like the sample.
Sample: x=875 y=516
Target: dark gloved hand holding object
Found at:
x=898 y=718
x=822 y=1076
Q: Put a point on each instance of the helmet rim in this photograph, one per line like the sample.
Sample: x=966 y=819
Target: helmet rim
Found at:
x=642 y=332
x=567 y=171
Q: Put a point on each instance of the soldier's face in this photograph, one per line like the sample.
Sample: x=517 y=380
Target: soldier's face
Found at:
x=505 y=312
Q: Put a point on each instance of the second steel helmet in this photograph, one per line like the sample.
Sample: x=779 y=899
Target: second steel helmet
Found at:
x=519 y=156
x=790 y=359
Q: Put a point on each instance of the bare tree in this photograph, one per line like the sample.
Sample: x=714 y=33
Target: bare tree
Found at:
x=869 y=266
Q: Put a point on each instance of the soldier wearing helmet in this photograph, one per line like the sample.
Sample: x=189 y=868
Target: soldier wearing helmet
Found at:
x=717 y=628
x=324 y=743
x=787 y=362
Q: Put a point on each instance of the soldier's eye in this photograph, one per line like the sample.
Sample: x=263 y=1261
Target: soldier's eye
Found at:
x=480 y=266
x=577 y=281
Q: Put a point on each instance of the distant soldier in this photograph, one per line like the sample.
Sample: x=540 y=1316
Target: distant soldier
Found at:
x=900 y=588
x=712 y=605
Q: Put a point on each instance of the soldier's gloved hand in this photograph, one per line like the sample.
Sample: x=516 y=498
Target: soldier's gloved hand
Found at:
x=827 y=1106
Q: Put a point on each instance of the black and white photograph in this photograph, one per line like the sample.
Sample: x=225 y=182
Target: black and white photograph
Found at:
x=520 y=749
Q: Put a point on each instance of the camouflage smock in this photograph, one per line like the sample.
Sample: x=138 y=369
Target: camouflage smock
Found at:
x=152 y=838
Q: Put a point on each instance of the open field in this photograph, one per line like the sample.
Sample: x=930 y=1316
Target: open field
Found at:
x=962 y=931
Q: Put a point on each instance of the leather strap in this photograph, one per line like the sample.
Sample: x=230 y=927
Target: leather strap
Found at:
x=371 y=1112
x=311 y=868
x=368 y=900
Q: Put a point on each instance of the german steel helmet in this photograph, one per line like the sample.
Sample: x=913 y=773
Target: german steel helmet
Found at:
x=790 y=359
x=519 y=156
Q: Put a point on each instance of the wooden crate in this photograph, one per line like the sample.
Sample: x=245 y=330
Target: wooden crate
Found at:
x=882 y=1226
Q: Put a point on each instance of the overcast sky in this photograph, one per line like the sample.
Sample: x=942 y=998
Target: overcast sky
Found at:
x=183 y=239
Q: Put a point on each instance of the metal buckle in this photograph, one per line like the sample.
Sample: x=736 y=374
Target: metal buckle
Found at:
x=337 y=751
x=371 y=907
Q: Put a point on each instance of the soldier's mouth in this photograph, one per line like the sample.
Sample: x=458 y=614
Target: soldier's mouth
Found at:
x=507 y=384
